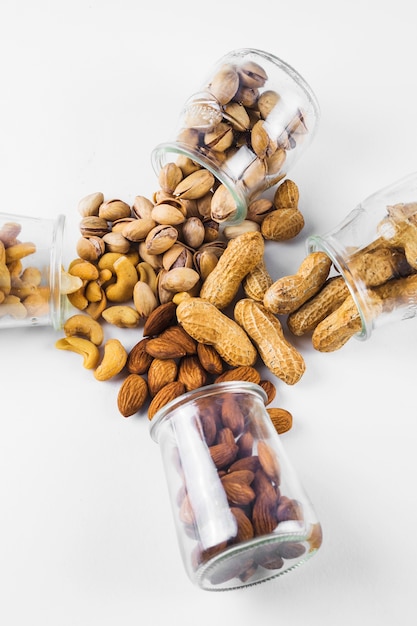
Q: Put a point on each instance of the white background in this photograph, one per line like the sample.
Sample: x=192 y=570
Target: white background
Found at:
x=87 y=89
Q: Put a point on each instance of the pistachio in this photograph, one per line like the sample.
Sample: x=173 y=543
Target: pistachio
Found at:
x=262 y=143
x=138 y=229
x=205 y=262
x=267 y=101
x=254 y=176
x=177 y=256
x=202 y=111
x=223 y=205
x=89 y=205
x=116 y=242
x=90 y=248
x=195 y=185
x=225 y=84
x=142 y=207
x=165 y=213
x=245 y=226
x=220 y=138
x=112 y=210
x=144 y=299
x=258 y=209
x=248 y=96
x=251 y=74
x=169 y=177
x=160 y=239
x=94 y=226
x=193 y=232
x=236 y=114
x=179 y=279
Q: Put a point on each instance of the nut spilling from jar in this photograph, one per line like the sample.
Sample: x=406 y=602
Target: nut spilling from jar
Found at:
x=246 y=124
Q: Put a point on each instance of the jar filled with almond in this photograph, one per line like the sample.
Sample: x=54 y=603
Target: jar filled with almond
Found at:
x=240 y=132
x=241 y=514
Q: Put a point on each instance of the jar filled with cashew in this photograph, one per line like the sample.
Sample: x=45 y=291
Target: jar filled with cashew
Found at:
x=33 y=282
x=241 y=131
x=373 y=281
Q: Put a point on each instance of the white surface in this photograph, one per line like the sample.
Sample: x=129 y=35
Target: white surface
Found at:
x=86 y=537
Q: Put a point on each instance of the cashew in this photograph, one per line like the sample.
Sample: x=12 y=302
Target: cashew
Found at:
x=19 y=251
x=12 y=306
x=85 y=326
x=126 y=278
x=114 y=360
x=70 y=283
x=95 y=309
x=5 y=279
x=37 y=304
x=123 y=316
x=84 y=269
x=147 y=274
x=88 y=350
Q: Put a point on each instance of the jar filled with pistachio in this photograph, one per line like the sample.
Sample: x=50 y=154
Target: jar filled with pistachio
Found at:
x=240 y=132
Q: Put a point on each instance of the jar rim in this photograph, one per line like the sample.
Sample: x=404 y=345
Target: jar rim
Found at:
x=208 y=390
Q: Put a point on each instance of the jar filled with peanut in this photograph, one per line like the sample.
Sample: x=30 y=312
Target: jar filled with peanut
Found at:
x=240 y=132
x=374 y=253
x=241 y=514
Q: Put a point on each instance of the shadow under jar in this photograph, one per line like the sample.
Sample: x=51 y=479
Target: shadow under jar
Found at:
x=241 y=514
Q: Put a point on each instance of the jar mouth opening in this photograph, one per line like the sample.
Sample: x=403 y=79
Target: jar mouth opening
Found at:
x=207 y=572
x=357 y=289
x=202 y=392
x=226 y=179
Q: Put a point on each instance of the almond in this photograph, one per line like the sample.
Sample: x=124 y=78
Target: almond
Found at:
x=238 y=492
x=160 y=318
x=263 y=518
x=160 y=373
x=281 y=419
x=191 y=372
x=138 y=360
x=132 y=394
x=209 y=426
x=245 y=444
x=209 y=359
x=232 y=416
x=269 y=461
x=243 y=476
x=263 y=487
x=250 y=463
x=243 y=372
x=270 y=390
x=222 y=454
x=165 y=395
x=244 y=525
x=178 y=335
x=161 y=348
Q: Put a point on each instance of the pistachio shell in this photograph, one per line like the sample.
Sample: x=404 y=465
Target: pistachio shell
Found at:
x=225 y=83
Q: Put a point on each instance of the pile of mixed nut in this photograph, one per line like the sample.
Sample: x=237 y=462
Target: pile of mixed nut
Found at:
x=166 y=267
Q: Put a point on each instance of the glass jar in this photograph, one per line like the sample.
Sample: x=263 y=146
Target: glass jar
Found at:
x=375 y=250
x=240 y=512
x=247 y=124
x=31 y=273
